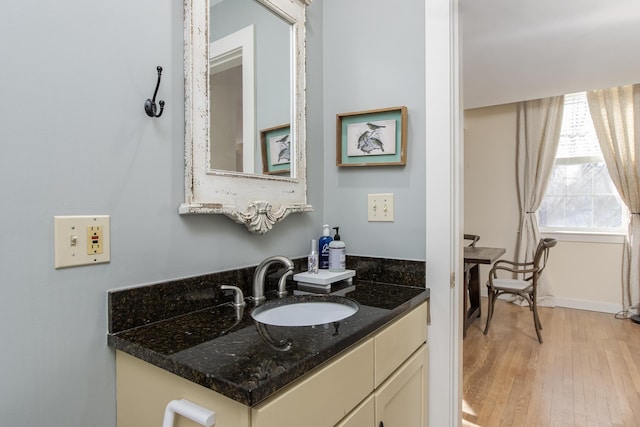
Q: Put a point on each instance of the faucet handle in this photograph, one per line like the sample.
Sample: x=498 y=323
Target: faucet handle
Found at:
x=238 y=296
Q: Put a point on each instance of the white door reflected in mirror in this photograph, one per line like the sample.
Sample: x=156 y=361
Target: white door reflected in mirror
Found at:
x=231 y=101
x=250 y=85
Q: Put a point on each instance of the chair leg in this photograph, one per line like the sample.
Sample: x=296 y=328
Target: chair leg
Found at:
x=536 y=321
x=538 y=318
x=491 y=300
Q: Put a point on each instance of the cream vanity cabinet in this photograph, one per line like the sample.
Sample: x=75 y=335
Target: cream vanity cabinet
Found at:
x=382 y=381
x=400 y=401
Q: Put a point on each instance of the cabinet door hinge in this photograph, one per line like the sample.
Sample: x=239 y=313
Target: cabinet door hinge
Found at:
x=453 y=280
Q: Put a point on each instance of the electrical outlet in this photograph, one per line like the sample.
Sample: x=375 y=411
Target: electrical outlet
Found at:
x=380 y=207
x=95 y=241
x=81 y=240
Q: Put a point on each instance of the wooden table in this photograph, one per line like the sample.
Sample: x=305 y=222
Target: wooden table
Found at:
x=473 y=257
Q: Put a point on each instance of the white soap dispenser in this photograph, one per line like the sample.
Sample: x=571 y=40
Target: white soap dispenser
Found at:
x=337 y=253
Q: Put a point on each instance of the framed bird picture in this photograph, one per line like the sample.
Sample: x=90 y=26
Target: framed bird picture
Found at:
x=276 y=149
x=372 y=138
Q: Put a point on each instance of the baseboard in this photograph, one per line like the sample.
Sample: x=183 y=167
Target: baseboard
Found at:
x=603 y=307
x=578 y=304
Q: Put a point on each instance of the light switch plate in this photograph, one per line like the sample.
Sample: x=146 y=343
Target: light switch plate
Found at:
x=81 y=240
x=380 y=207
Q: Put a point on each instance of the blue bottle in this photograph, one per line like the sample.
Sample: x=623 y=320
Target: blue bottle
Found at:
x=323 y=246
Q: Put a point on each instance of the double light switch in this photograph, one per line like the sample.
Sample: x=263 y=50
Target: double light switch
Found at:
x=380 y=207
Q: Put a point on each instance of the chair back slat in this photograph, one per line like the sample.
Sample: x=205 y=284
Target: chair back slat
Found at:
x=542 y=253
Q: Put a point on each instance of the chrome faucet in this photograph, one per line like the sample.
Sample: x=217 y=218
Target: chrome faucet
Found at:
x=261 y=270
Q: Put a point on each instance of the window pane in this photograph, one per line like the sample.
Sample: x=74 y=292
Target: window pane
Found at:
x=602 y=181
x=580 y=194
x=556 y=185
x=607 y=212
x=579 y=211
x=579 y=179
x=577 y=135
x=551 y=212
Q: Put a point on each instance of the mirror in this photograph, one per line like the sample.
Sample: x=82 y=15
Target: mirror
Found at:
x=245 y=110
x=249 y=88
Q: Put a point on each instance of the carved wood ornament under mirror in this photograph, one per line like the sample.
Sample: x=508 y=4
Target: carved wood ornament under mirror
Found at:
x=239 y=189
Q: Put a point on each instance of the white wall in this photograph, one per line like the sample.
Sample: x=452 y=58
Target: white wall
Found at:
x=515 y=50
x=582 y=274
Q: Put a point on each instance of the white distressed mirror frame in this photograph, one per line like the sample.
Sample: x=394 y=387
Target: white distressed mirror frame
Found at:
x=257 y=201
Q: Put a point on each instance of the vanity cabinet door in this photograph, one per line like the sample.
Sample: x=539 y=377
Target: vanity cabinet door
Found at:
x=321 y=398
x=394 y=344
x=402 y=400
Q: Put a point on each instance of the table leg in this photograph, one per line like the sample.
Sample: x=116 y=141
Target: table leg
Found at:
x=472 y=290
x=465 y=320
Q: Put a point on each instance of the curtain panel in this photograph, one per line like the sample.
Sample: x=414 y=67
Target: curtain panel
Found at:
x=539 y=125
x=616 y=118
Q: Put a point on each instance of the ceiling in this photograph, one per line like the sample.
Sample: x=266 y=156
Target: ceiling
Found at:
x=513 y=50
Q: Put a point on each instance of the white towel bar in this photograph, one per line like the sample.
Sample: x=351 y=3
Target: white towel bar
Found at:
x=197 y=413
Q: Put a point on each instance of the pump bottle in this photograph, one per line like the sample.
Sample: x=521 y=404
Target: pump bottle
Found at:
x=337 y=253
x=323 y=247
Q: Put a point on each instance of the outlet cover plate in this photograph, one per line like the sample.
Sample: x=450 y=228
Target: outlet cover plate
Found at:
x=72 y=244
x=380 y=207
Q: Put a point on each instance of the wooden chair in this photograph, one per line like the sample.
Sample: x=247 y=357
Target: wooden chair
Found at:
x=473 y=237
x=525 y=283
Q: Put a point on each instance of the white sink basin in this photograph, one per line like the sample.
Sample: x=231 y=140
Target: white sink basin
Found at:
x=304 y=310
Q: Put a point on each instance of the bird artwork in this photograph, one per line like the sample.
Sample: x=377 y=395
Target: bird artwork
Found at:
x=374 y=126
x=370 y=139
x=284 y=155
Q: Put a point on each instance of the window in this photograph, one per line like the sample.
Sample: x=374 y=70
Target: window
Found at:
x=580 y=196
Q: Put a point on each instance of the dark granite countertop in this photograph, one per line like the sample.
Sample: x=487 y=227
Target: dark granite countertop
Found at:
x=225 y=350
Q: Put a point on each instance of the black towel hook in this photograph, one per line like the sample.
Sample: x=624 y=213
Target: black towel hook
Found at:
x=150 y=104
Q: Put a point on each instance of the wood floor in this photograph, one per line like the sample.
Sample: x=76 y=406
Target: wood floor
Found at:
x=586 y=373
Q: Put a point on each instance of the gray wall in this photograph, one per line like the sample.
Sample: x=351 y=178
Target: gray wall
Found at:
x=75 y=140
x=374 y=58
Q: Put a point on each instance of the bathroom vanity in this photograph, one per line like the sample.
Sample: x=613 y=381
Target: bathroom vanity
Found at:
x=369 y=369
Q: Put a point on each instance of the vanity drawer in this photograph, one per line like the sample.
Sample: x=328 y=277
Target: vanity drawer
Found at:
x=324 y=397
x=394 y=344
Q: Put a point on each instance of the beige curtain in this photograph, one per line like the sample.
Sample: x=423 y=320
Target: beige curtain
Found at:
x=539 y=124
x=616 y=117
